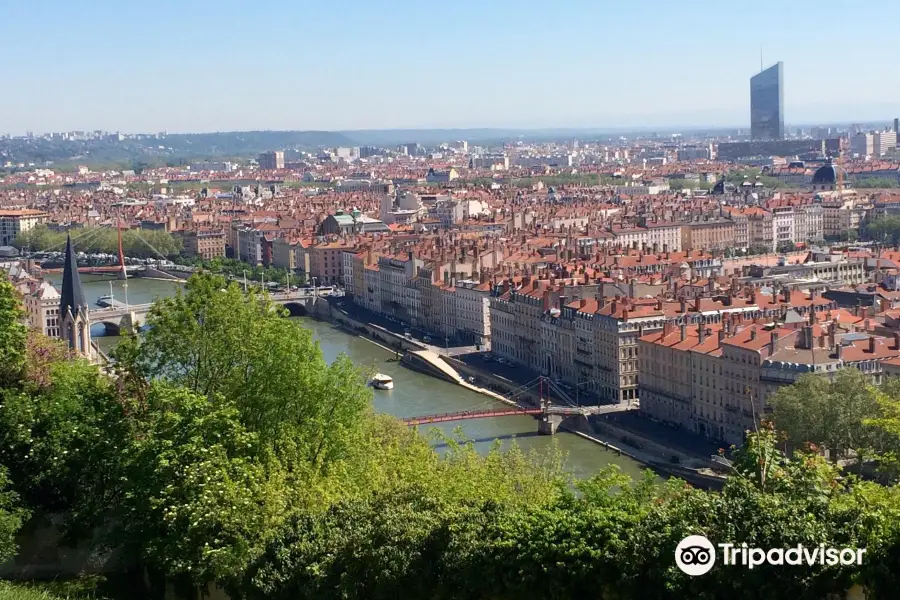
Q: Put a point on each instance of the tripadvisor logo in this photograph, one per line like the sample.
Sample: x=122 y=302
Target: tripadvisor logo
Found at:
x=695 y=555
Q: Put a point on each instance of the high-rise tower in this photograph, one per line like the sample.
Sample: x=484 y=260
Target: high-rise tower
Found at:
x=74 y=314
x=767 y=104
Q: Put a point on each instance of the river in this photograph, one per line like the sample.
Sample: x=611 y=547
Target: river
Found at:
x=413 y=394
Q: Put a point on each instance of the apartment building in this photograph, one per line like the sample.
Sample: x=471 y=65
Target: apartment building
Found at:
x=252 y=245
x=809 y=225
x=753 y=227
x=369 y=296
x=285 y=254
x=42 y=307
x=471 y=311
x=271 y=161
x=593 y=343
x=324 y=261
x=715 y=380
x=399 y=297
x=823 y=268
x=516 y=319
x=646 y=234
x=841 y=216
x=883 y=142
x=206 y=243
x=14 y=222
x=862 y=144
x=762 y=229
x=783 y=233
x=708 y=234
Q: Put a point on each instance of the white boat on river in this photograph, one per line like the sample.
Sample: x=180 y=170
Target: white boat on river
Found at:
x=382 y=382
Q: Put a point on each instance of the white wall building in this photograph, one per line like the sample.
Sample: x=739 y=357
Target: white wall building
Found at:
x=43 y=309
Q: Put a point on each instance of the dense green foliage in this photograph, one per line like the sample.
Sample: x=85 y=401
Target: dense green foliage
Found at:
x=753 y=175
x=152 y=243
x=226 y=450
x=12 y=334
x=256 y=274
x=875 y=182
x=833 y=414
x=222 y=422
x=9 y=591
x=885 y=230
x=615 y=540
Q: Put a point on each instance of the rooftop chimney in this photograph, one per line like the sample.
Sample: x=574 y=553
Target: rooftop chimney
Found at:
x=683 y=331
x=807 y=337
x=871 y=344
x=753 y=332
x=701 y=332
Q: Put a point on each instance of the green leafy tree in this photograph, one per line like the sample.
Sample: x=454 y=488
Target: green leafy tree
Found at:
x=885 y=230
x=12 y=516
x=829 y=413
x=875 y=182
x=12 y=333
x=199 y=496
x=61 y=440
x=135 y=243
x=216 y=340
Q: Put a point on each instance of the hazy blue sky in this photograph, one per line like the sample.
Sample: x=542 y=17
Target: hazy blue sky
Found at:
x=203 y=65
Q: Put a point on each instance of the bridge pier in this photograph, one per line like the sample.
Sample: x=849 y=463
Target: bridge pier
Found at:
x=127 y=324
x=549 y=424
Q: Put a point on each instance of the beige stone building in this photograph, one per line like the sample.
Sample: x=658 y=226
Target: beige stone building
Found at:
x=42 y=307
x=708 y=234
x=715 y=380
x=14 y=222
x=205 y=242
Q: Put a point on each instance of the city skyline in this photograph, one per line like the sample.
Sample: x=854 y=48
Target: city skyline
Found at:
x=511 y=67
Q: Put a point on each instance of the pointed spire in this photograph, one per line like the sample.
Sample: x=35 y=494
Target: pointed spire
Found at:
x=72 y=295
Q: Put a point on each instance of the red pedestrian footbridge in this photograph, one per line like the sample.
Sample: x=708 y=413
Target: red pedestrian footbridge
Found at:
x=473 y=414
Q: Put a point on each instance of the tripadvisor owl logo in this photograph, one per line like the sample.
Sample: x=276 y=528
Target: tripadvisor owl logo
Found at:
x=695 y=555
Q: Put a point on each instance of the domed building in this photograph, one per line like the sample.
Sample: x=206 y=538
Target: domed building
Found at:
x=825 y=178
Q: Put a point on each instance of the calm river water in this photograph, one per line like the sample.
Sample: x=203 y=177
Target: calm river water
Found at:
x=413 y=393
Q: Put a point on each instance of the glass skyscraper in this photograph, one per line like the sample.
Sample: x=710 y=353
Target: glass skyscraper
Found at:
x=767 y=104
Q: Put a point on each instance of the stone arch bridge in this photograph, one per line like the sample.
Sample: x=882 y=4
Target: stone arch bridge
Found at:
x=119 y=318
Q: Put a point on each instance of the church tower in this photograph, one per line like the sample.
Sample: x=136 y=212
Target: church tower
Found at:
x=74 y=317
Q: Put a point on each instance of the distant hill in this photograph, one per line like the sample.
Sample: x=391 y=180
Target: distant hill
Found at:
x=246 y=143
x=172 y=149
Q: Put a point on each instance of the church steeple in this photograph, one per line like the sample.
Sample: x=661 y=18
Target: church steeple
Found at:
x=74 y=317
